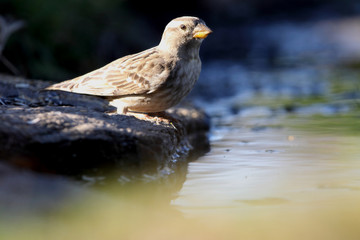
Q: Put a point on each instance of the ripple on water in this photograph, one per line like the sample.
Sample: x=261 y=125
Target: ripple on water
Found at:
x=277 y=166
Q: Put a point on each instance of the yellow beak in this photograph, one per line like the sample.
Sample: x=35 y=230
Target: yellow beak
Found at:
x=201 y=31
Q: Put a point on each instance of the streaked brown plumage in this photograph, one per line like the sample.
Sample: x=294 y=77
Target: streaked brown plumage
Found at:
x=153 y=80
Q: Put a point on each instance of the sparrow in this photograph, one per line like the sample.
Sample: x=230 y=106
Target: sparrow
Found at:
x=152 y=80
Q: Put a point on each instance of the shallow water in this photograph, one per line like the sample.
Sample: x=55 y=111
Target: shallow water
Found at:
x=298 y=164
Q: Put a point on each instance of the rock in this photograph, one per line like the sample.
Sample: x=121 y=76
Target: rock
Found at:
x=71 y=134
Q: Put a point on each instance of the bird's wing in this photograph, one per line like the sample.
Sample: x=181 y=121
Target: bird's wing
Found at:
x=131 y=75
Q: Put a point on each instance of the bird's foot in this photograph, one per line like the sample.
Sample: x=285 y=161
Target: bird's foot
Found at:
x=158 y=118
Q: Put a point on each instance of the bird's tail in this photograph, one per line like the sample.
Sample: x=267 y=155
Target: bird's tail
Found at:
x=67 y=86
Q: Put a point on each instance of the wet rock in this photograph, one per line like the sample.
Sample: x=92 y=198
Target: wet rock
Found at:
x=72 y=134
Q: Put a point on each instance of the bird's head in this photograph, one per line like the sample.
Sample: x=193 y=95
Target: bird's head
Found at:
x=184 y=34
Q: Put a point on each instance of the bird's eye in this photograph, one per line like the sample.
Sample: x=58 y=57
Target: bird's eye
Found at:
x=183 y=27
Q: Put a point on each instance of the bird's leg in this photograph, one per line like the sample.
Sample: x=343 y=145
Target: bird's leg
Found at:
x=157 y=117
x=124 y=110
x=119 y=105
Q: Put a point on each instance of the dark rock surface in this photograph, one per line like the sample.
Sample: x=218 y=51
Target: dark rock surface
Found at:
x=72 y=134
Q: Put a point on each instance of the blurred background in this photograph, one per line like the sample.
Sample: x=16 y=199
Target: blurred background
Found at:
x=280 y=80
x=63 y=39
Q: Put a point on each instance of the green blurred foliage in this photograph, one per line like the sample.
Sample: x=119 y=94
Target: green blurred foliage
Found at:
x=65 y=38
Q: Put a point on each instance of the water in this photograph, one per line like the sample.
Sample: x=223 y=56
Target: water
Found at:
x=267 y=163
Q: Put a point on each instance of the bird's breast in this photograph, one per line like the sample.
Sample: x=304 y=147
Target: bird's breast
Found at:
x=186 y=73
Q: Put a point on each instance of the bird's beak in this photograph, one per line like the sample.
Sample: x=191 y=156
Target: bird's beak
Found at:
x=201 y=31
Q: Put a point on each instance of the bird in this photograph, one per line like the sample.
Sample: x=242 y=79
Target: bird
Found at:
x=150 y=81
